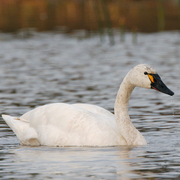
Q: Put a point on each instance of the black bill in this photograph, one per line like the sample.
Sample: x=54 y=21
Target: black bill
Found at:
x=157 y=84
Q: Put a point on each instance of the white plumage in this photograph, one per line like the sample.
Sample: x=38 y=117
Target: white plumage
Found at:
x=62 y=124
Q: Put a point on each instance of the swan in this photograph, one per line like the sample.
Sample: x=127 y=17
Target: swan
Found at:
x=61 y=124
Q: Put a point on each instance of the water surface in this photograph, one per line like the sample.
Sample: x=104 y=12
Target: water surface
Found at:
x=49 y=67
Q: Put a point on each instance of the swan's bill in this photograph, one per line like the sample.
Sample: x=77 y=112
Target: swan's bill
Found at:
x=157 y=84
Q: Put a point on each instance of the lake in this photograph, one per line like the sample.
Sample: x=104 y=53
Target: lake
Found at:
x=52 y=67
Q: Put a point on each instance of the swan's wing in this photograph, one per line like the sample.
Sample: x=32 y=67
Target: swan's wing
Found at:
x=61 y=114
x=61 y=124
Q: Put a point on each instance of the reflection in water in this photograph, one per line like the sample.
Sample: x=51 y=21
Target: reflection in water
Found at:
x=51 y=68
x=105 y=163
x=100 y=163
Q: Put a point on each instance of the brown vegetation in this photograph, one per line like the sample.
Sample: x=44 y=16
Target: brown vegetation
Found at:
x=141 y=15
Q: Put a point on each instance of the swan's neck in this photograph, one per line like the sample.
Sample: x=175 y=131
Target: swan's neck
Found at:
x=127 y=129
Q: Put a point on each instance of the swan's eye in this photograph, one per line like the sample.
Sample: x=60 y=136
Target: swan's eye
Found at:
x=145 y=73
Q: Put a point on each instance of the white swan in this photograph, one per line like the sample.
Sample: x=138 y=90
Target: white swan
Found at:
x=61 y=124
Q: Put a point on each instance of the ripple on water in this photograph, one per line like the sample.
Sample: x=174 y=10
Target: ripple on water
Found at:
x=51 y=68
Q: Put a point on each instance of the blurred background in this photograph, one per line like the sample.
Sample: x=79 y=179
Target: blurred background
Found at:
x=90 y=15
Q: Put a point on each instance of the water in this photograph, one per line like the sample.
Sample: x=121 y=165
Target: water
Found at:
x=50 y=67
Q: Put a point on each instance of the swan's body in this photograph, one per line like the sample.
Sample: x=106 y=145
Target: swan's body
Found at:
x=61 y=124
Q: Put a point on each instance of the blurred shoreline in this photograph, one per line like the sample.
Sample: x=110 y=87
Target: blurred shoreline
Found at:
x=90 y=15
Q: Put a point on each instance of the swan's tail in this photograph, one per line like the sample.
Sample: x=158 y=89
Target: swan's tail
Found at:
x=26 y=134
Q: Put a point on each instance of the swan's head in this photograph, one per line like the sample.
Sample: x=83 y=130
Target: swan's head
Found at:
x=145 y=76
